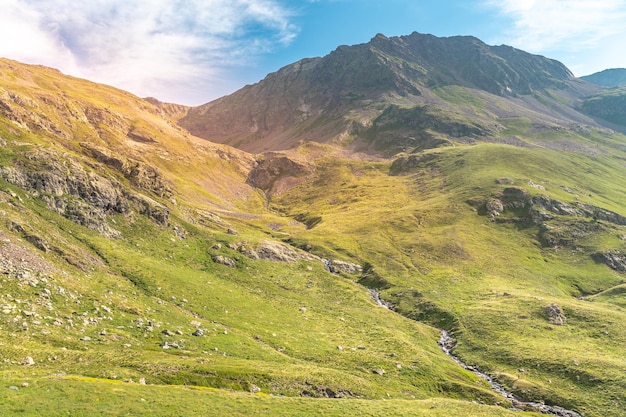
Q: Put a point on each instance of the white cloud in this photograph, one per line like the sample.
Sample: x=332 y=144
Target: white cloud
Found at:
x=585 y=35
x=541 y=25
x=173 y=49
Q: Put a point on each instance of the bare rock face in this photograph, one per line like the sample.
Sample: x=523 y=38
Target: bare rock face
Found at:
x=275 y=172
x=555 y=314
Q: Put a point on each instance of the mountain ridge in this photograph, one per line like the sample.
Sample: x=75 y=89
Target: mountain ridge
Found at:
x=337 y=97
x=612 y=77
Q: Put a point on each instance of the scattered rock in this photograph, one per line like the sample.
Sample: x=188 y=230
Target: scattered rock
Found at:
x=225 y=260
x=302 y=309
x=254 y=389
x=379 y=371
x=85 y=339
x=14 y=388
x=555 y=314
x=537 y=186
x=142 y=381
x=27 y=361
x=231 y=231
x=198 y=332
x=167 y=332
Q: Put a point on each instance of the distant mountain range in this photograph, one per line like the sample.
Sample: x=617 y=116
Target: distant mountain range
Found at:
x=608 y=78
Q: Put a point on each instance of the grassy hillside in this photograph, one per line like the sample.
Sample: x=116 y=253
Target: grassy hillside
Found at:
x=136 y=261
x=441 y=259
x=140 y=273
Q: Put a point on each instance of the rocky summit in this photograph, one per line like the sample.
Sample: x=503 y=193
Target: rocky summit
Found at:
x=433 y=222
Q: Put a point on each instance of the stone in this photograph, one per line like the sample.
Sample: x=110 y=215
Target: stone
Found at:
x=225 y=260
x=198 y=332
x=379 y=371
x=167 y=332
x=27 y=361
x=337 y=266
x=555 y=314
x=494 y=207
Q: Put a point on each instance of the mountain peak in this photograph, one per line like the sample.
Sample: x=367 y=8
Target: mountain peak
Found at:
x=338 y=97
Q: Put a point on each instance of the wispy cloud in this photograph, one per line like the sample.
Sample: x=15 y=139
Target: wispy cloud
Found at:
x=149 y=47
x=542 y=25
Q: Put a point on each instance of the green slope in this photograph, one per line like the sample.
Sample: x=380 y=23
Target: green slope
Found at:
x=440 y=259
x=122 y=236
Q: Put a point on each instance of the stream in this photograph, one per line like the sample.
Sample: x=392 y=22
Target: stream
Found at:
x=446 y=343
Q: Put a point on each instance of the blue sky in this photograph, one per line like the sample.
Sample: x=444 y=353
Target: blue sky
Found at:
x=193 y=51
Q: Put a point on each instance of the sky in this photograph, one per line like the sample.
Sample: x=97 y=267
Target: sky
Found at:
x=194 y=51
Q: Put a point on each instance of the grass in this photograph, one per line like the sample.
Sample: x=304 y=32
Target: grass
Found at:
x=449 y=266
x=95 y=397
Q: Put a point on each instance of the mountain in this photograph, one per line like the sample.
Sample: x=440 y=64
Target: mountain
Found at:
x=608 y=78
x=463 y=204
x=455 y=89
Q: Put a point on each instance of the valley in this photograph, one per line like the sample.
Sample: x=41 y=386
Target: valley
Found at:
x=231 y=258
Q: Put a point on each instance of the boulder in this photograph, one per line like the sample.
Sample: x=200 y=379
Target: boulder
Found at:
x=555 y=314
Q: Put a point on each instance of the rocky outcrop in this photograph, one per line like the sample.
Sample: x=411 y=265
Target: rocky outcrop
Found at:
x=613 y=259
x=272 y=251
x=142 y=176
x=408 y=163
x=150 y=208
x=336 y=266
x=82 y=196
x=601 y=214
x=278 y=252
x=276 y=172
